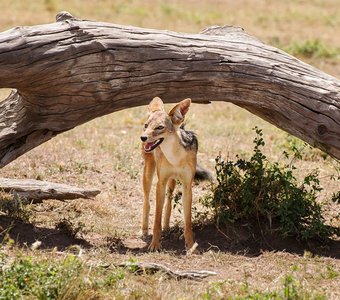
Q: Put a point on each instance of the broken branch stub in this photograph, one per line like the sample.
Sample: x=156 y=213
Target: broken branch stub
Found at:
x=72 y=71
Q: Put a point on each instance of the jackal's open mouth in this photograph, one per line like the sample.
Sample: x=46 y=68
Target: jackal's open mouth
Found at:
x=148 y=147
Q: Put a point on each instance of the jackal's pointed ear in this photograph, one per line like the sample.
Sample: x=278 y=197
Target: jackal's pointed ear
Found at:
x=156 y=105
x=178 y=112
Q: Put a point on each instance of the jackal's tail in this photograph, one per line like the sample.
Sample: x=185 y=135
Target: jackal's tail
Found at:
x=202 y=174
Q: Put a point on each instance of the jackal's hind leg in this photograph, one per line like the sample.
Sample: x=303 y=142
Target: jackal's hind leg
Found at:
x=187 y=204
x=168 y=203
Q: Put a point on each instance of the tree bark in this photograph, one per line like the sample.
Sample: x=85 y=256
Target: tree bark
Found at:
x=71 y=71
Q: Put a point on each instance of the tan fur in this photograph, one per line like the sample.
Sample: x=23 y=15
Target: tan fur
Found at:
x=171 y=161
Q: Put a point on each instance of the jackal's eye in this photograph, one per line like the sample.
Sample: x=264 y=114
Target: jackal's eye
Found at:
x=145 y=126
x=160 y=127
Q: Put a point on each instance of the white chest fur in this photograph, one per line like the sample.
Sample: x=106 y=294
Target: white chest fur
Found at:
x=173 y=150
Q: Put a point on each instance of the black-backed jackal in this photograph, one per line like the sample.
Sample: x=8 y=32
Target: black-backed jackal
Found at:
x=171 y=151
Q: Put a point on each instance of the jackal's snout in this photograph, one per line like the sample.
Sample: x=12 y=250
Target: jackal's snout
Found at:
x=143 y=138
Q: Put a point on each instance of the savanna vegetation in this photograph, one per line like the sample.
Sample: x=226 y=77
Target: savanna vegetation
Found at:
x=268 y=226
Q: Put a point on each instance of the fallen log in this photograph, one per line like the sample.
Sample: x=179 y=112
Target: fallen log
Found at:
x=36 y=190
x=72 y=71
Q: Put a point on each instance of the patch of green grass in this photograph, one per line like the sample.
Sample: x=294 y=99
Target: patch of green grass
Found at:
x=301 y=150
x=25 y=278
x=330 y=273
x=291 y=289
x=312 y=49
x=68 y=278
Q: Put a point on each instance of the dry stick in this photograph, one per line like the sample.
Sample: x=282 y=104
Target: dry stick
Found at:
x=151 y=268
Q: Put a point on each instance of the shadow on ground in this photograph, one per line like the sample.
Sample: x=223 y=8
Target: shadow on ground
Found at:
x=239 y=239
x=235 y=239
x=25 y=235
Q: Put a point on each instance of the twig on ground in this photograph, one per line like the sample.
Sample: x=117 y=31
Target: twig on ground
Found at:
x=151 y=268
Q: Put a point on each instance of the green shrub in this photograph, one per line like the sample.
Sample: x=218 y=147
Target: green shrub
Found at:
x=266 y=192
x=15 y=207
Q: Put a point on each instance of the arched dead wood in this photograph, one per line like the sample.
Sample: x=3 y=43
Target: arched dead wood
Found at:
x=72 y=71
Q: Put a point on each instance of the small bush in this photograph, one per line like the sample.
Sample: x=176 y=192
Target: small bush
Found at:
x=15 y=207
x=266 y=192
x=70 y=228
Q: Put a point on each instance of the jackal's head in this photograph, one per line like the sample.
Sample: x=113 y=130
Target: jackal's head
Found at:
x=161 y=124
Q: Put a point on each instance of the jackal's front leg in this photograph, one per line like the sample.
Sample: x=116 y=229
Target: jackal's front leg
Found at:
x=148 y=172
x=157 y=226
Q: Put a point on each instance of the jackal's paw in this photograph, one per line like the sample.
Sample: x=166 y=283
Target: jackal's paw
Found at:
x=144 y=233
x=192 y=249
x=154 y=246
x=189 y=243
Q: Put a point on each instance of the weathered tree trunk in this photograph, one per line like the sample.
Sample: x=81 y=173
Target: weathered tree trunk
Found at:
x=72 y=71
x=37 y=190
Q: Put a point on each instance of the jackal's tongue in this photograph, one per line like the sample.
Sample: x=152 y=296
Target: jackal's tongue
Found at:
x=152 y=145
x=148 y=146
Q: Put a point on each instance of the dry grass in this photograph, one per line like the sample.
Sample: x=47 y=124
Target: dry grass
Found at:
x=104 y=153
